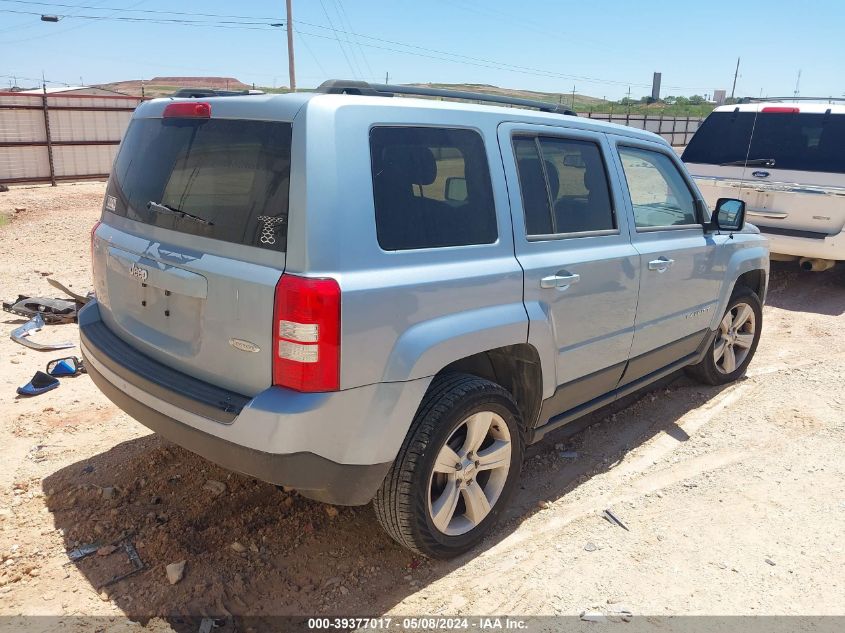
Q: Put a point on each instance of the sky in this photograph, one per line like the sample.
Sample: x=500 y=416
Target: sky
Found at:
x=597 y=48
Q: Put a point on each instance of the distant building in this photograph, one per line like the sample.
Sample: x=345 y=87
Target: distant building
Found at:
x=655 y=87
x=719 y=97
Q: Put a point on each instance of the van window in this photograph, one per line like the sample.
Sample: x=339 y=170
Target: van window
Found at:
x=659 y=194
x=431 y=188
x=232 y=175
x=564 y=185
x=800 y=141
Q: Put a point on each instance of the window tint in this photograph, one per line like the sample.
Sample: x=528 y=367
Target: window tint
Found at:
x=431 y=188
x=564 y=186
x=232 y=174
x=659 y=194
x=801 y=141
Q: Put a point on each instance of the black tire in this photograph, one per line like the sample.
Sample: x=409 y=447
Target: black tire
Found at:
x=402 y=503
x=707 y=370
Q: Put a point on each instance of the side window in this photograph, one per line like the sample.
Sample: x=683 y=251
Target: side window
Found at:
x=564 y=185
x=431 y=188
x=659 y=194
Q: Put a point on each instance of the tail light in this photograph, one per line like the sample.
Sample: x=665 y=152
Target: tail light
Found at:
x=780 y=110
x=306 y=334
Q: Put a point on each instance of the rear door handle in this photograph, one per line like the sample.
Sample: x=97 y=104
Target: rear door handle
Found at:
x=661 y=264
x=561 y=280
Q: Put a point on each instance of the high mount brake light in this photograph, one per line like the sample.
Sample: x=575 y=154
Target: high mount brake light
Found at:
x=306 y=334
x=780 y=110
x=188 y=110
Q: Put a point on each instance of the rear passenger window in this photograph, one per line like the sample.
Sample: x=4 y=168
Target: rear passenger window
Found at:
x=564 y=186
x=431 y=188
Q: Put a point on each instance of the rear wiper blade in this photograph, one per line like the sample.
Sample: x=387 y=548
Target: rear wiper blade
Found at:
x=764 y=162
x=158 y=207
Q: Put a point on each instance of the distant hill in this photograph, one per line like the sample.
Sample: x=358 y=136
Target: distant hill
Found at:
x=582 y=102
x=163 y=86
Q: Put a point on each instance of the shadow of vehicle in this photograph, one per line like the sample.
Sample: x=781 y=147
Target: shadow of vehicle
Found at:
x=253 y=551
x=796 y=290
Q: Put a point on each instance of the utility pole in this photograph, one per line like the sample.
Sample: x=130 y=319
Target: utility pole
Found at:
x=291 y=66
x=573 y=97
x=736 y=74
x=387 y=77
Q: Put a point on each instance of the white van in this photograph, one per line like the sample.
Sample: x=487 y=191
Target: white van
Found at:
x=786 y=160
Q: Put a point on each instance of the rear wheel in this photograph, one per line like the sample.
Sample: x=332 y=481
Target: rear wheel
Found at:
x=736 y=340
x=456 y=469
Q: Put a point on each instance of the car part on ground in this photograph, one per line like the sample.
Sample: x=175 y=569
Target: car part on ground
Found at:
x=53 y=311
x=65 y=367
x=38 y=384
x=80 y=299
x=22 y=334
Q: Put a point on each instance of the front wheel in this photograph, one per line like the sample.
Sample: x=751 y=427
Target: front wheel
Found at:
x=455 y=470
x=736 y=340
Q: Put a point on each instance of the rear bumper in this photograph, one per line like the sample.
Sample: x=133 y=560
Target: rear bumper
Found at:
x=333 y=447
x=817 y=246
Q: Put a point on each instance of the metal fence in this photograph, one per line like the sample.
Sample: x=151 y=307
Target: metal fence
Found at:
x=677 y=130
x=48 y=138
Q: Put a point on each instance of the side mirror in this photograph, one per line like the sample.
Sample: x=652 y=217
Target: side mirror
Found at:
x=729 y=214
x=456 y=189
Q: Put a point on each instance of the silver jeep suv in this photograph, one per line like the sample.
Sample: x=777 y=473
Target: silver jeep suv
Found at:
x=387 y=299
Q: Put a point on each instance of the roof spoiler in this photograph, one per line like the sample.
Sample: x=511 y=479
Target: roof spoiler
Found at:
x=362 y=88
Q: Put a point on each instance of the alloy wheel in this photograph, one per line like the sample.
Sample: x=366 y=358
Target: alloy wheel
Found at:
x=735 y=338
x=469 y=473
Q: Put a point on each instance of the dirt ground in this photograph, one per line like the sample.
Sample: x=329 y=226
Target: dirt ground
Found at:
x=734 y=497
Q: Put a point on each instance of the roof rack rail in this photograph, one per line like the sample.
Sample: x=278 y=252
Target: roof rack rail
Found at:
x=765 y=99
x=341 y=86
x=199 y=93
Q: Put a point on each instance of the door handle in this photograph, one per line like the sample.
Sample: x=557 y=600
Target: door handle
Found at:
x=661 y=264
x=560 y=280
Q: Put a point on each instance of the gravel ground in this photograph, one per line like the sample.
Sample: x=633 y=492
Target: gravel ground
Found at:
x=734 y=497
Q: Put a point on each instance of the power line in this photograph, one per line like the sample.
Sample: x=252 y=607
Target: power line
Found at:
x=176 y=21
x=336 y=37
x=426 y=52
x=345 y=23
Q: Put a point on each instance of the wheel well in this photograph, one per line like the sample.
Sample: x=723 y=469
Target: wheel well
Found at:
x=754 y=279
x=514 y=367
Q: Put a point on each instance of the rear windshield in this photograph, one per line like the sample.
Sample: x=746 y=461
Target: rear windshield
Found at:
x=232 y=176
x=801 y=141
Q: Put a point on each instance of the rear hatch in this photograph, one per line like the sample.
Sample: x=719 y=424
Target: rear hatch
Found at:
x=193 y=242
x=802 y=192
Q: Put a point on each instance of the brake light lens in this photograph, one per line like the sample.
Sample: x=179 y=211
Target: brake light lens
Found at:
x=780 y=110
x=306 y=334
x=188 y=110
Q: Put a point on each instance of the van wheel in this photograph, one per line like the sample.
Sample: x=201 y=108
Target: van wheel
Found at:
x=736 y=340
x=455 y=470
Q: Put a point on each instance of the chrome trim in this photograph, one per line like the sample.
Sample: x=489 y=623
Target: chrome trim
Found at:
x=780 y=187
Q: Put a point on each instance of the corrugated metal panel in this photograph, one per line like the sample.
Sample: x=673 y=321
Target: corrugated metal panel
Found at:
x=22 y=125
x=21 y=163
x=80 y=125
x=28 y=100
x=92 y=102
x=83 y=160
